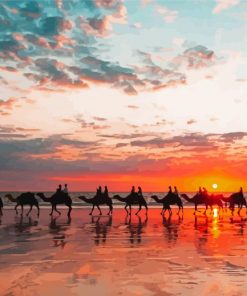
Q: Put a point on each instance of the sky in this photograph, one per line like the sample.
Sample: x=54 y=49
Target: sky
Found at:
x=122 y=93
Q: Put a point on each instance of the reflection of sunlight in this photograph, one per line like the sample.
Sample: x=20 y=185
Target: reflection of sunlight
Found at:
x=215 y=228
x=215 y=213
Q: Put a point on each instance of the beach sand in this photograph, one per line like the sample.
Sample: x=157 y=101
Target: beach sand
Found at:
x=121 y=256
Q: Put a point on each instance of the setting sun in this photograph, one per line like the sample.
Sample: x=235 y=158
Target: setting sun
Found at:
x=215 y=186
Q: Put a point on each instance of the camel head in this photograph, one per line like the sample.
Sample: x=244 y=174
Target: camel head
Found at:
x=82 y=197
x=40 y=194
x=10 y=197
x=155 y=197
x=116 y=196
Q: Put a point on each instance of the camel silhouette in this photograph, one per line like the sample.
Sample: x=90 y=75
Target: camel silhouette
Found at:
x=56 y=199
x=97 y=201
x=27 y=198
x=1 y=207
x=235 y=199
x=132 y=199
x=169 y=199
x=208 y=201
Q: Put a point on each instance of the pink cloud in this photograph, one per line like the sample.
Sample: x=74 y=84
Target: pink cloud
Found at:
x=224 y=4
x=63 y=40
x=168 y=15
x=105 y=3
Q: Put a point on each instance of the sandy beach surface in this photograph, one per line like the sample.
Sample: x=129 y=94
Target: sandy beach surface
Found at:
x=101 y=255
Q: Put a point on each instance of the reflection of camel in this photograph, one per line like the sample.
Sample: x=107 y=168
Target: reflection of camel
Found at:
x=26 y=198
x=97 y=201
x=209 y=200
x=1 y=207
x=56 y=199
x=22 y=225
x=236 y=199
x=101 y=229
x=132 y=199
x=172 y=233
x=135 y=229
x=55 y=229
x=169 y=199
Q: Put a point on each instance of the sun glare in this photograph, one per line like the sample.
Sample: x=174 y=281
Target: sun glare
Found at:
x=215 y=186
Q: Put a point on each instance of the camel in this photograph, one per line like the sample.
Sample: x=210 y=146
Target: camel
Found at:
x=97 y=201
x=27 y=198
x=132 y=199
x=206 y=200
x=1 y=207
x=169 y=199
x=56 y=199
x=236 y=199
x=166 y=205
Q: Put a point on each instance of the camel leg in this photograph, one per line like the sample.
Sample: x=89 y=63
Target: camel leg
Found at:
x=140 y=207
x=126 y=209
x=21 y=210
x=1 y=211
x=163 y=209
x=110 y=210
x=69 y=211
x=146 y=209
x=205 y=212
x=195 y=208
x=55 y=208
x=130 y=209
x=29 y=210
x=16 y=209
x=37 y=206
x=99 y=210
x=52 y=208
x=92 y=210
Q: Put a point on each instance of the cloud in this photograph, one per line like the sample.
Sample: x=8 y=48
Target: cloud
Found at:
x=168 y=15
x=224 y=4
x=188 y=140
x=233 y=136
x=191 y=121
x=193 y=58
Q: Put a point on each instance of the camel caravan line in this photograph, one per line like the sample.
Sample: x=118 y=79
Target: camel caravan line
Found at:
x=61 y=197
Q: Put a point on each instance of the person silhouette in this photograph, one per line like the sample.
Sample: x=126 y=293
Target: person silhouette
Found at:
x=200 y=190
x=241 y=190
x=66 y=190
x=106 y=192
x=133 y=190
x=139 y=191
x=204 y=191
x=175 y=190
x=59 y=189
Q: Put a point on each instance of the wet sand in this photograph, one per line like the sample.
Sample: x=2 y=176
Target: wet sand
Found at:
x=121 y=256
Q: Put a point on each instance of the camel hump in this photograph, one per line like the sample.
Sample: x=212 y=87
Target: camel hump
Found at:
x=27 y=195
